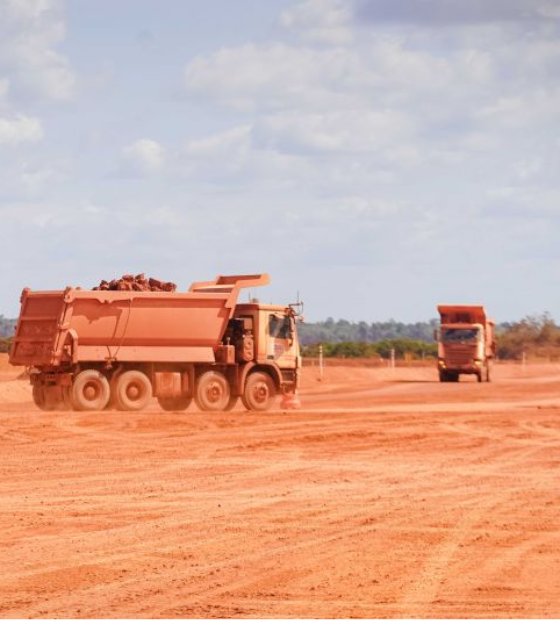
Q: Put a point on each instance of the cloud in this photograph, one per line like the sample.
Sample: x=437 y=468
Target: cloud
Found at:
x=143 y=157
x=30 y=30
x=20 y=129
x=455 y=12
x=321 y=21
x=351 y=130
x=274 y=76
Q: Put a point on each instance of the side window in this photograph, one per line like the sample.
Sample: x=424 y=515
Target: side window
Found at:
x=279 y=327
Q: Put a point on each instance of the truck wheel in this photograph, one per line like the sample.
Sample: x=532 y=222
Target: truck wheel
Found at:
x=443 y=377
x=212 y=391
x=479 y=377
x=488 y=373
x=43 y=399
x=174 y=403
x=132 y=391
x=90 y=391
x=259 y=392
x=232 y=402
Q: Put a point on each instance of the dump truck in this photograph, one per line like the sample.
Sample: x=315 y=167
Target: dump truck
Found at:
x=92 y=350
x=466 y=342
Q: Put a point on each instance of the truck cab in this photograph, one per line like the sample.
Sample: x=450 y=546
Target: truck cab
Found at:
x=265 y=339
x=465 y=342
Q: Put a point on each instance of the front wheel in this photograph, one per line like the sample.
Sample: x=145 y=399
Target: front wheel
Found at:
x=212 y=391
x=259 y=392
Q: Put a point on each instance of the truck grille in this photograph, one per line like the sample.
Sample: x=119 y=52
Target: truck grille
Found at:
x=459 y=356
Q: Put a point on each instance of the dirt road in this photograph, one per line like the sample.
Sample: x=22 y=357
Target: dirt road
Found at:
x=388 y=495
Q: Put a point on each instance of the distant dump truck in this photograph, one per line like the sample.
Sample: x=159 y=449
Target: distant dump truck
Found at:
x=466 y=342
x=91 y=350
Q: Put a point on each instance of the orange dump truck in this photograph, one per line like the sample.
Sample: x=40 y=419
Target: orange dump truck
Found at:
x=90 y=350
x=466 y=342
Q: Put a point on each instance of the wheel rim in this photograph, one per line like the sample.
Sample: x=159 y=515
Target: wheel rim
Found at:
x=214 y=392
x=91 y=390
x=260 y=392
x=134 y=391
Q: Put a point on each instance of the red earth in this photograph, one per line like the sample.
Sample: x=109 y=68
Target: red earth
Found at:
x=388 y=495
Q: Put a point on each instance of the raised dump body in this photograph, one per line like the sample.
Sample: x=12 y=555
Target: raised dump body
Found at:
x=466 y=342
x=171 y=339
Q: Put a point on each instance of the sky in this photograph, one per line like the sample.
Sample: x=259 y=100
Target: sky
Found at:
x=376 y=156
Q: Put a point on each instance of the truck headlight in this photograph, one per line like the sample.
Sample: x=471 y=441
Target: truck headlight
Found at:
x=441 y=363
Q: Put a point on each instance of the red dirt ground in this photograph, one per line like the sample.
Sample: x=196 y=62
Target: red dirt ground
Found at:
x=388 y=495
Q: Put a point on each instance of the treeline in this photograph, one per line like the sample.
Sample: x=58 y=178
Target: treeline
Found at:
x=346 y=331
x=402 y=347
x=7 y=326
x=535 y=336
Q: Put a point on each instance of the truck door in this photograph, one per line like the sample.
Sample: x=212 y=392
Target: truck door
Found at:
x=282 y=343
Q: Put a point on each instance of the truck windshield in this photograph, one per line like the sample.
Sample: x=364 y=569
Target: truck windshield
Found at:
x=459 y=335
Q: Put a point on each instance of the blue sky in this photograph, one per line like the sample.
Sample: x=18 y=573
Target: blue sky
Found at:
x=377 y=156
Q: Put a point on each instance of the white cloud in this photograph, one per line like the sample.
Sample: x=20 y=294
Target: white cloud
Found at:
x=233 y=140
x=20 y=129
x=321 y=21
x=351 y=130
x=144 y=156
x=30 y=30
x=251 y=77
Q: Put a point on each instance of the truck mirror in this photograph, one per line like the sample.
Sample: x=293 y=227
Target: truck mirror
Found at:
x=292 y=329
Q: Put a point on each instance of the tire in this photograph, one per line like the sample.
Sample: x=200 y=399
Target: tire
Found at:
x=90 y=391
x=174 y=403
x=259 y=392
x=43 y=398
x=454 y=378
x=479 y=377
x=66 y=398
x=132 y=391
x=488 y=376
x=232 y=402
x=443 y=377
x=212 y=392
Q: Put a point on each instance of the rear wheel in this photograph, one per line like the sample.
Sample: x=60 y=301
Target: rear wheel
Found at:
x=488 y=373
x=43 y=397
x=232 y=402
x=259 y=392
x=212 y=391
x=90 y=391
x=132 y=391
x=479 y=377
x=174 y=403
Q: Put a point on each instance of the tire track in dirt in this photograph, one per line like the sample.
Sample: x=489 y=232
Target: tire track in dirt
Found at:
x=420 y=597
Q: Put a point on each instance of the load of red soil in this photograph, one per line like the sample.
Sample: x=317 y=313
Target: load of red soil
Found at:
x=136 y=283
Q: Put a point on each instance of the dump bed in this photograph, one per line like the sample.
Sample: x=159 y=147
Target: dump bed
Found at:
x=74 y=325
x=462 y=314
